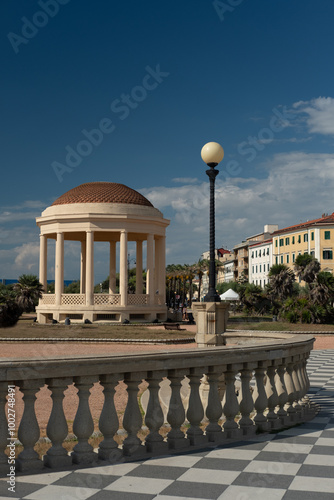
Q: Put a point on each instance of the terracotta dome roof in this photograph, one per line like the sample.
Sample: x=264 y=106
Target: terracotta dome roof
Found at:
x=102 y=192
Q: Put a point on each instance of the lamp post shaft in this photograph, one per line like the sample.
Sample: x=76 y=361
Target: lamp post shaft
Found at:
x=212 y=295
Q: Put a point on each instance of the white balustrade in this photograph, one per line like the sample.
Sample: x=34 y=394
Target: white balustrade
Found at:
x=73 y=299
x=48 y=299
x=279 y=399
x=106 y=299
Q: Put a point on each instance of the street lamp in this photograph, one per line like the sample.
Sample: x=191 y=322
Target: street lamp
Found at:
x=212 y=154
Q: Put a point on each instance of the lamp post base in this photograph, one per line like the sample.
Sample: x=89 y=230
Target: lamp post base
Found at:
x=212 y=297
x=211 y=320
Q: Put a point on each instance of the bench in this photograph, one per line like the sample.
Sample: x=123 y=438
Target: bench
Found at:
x=173 y=326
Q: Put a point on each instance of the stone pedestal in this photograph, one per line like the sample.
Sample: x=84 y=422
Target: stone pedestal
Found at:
x=211 y=320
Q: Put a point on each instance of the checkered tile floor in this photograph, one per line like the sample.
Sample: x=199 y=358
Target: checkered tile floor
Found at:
x=297 y=463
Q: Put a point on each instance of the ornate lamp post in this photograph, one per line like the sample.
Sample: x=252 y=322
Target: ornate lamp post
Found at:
x=212 y=154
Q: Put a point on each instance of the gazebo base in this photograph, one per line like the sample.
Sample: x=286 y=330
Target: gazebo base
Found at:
x=116 y=314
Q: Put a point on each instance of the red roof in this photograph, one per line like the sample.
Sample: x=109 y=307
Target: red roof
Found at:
x=102 y=192
x=326 y=219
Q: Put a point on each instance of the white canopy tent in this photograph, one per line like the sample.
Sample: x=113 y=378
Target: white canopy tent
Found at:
x=230 y=295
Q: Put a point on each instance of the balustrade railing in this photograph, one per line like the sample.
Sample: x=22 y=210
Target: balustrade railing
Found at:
x=48 y=299
x=251 y=388
x=73 y=299
x=137 y=299
x=107 y=299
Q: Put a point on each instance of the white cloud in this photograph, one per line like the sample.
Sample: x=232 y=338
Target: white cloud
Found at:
x=298 y=186
x=319 y=114
x=185 y=180
x=27 y=256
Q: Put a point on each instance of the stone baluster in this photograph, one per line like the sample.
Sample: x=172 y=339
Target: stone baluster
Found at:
x=108 y=422
x=176 y=414
x=154 y=415
x=298 y=389
x=83 y=425
x=303 y=400
x=195 y=413
x=291 y=390
x=281 y=393
x=246 y=404
x=272 y=396
x=260 y=398
x=231 y=406
x=57 y=429
x=133 y=420
x=214 y=409
x=28 y=432
x=306 y=382
x=4 y=466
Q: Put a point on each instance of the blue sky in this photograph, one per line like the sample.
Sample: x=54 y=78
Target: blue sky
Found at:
x=256 y=76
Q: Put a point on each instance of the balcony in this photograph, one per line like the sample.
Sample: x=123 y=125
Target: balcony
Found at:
x=256 y=386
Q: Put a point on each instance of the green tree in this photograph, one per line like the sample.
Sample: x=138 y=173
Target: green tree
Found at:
x=10 y=311
x=322 y=291
x=281 y=280
x=307 y=268
x=28 y=290
x=73 y=287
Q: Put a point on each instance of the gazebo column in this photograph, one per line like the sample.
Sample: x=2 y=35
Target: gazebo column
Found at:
x=123 y=271
x=150 y=268
x=43 y=253
x=83 y=268
x=156 y=265
x=112 y=267
x=59 y=271
x=89 y=268
x=162 y=269
x=139 y=267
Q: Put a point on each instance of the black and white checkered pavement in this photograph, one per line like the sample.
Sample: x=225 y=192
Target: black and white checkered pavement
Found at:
x=295 y=464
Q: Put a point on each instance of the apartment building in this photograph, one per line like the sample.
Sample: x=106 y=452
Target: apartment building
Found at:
x=260 y=261
x=241 y=251
x=315 y=237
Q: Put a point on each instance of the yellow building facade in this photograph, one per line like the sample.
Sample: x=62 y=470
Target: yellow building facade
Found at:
x=315 y=237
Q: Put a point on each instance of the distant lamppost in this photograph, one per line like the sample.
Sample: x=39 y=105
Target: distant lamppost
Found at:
x=212 y=154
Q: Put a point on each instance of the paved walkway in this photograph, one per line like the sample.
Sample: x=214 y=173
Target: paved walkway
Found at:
x=295 y=464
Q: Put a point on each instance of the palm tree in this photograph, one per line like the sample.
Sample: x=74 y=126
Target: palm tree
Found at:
x=28 y=291
x=199 y=269
x=322 y=291
x=281 y=282
x=10 y=311
x=307 y=268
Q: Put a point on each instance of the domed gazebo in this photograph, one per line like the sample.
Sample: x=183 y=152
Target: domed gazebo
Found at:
x=104 y=212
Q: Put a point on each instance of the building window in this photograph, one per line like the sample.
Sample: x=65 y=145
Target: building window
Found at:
x=256 y=253
x=252 y=254
x=259 y=253
x=256 y=268
x=281 y=259
x=327 y=235
x=313 y=254
x=253 y=269
x=287 y=259
x=268 y=251
x=312 y=236
x=287 y=241
x=327 y=254
x=268 y=267
x=293 y=240
x=293 y=257
x=275 y=243
x=299 y=239
x=305 y=237
x=281 y=242
x=276 y=260
x=260 y=268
